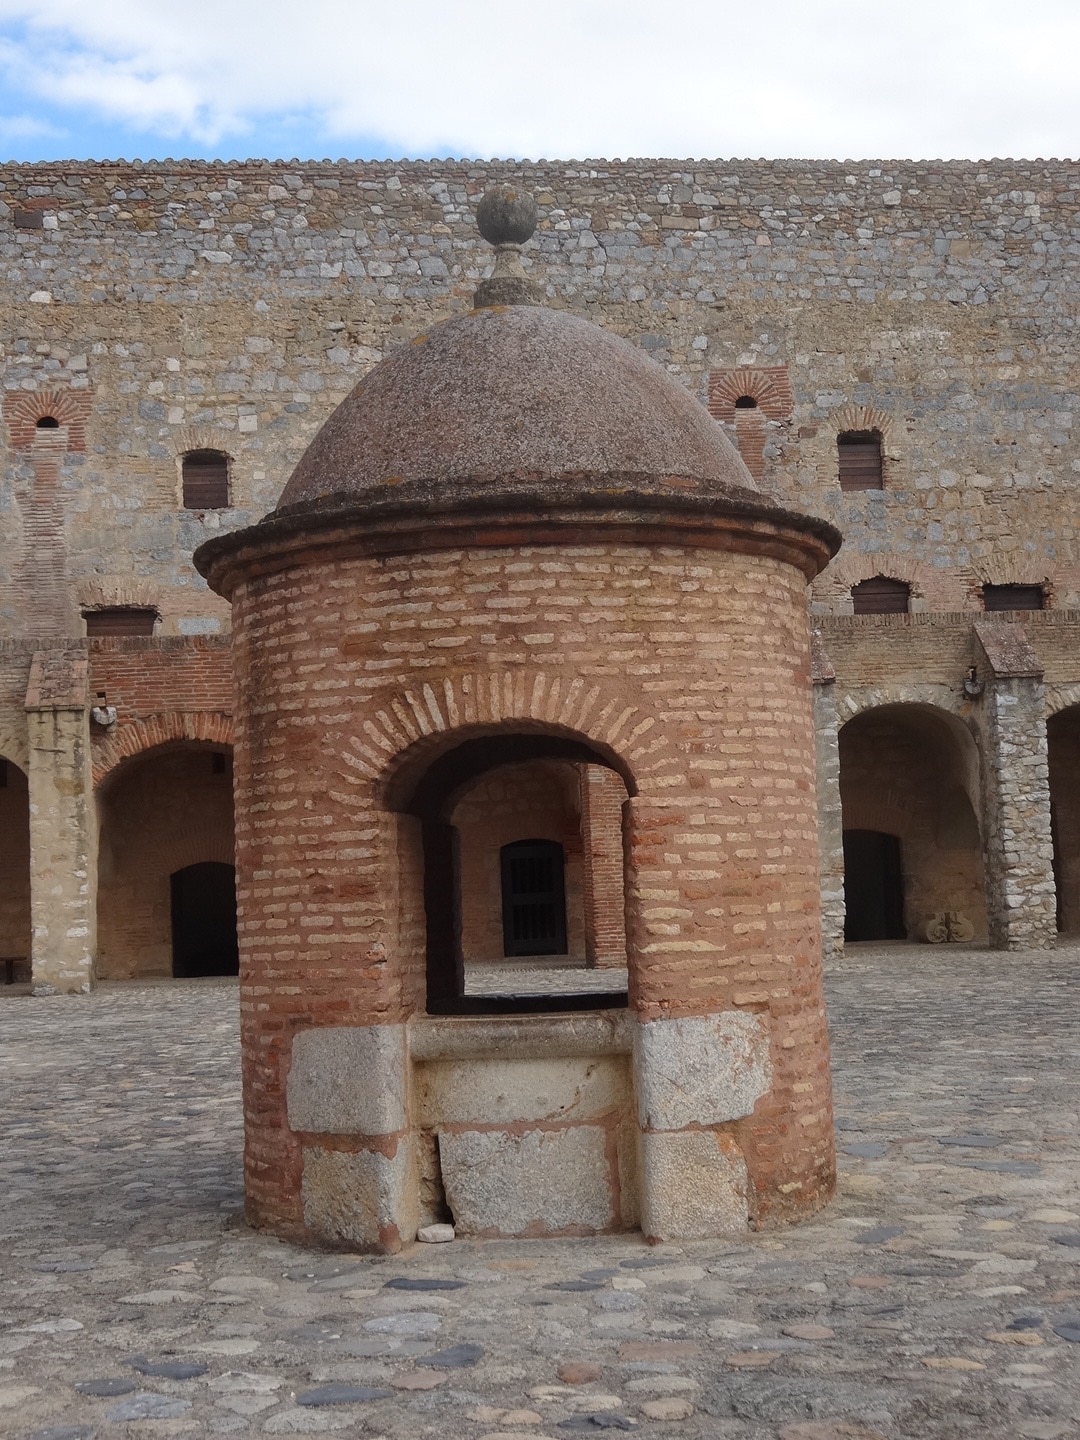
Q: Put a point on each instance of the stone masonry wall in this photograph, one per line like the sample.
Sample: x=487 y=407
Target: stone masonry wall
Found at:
x=197 y=304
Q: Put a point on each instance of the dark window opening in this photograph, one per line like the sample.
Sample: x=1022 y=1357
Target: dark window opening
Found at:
x=881 y=596
x=119 y=620
x=205 y=476
x=746 y=402
x=859 y=453
x=533 y=898
x=48 y=422
x=219 y=764
x=873 y=886
x=204 y=920
x=1013 y=597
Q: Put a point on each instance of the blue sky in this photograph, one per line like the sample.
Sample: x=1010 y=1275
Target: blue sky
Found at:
x=151 y=79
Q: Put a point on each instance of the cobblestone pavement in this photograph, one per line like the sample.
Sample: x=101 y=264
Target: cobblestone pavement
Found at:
x=938 y=1297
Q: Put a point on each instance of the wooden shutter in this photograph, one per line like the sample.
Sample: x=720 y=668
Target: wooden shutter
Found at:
x=881 y=596
x=534 y=901
x=206 y=480
x=1013 y=597
x=120 y=620
x=860 y=460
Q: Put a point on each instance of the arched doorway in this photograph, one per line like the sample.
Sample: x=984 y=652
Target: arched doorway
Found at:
x=15 y=926
x=912 y=846
x=517 y=851
x=165 y=885
x=1063 y=757
x=203 y=915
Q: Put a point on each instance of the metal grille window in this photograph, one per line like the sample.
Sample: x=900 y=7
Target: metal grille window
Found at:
x=533 y=898
x=1014 y=597
x=859 y=454
x=119 y=620
x=205 y=475
x=881 y=596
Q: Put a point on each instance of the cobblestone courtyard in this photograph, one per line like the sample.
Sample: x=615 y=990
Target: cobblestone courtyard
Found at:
x=938 y=1297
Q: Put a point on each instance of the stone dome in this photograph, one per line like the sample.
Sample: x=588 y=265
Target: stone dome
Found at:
x=508 y=393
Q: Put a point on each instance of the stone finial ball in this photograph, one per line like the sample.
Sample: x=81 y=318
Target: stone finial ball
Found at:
x=506 y=215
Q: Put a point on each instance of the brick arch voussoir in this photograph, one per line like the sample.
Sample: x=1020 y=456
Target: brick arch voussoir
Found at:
x=149 y=732
x=1061 y=697
x=203 y=437
x=420 y=717
x=24 y=408
x=769 y=386
x=849 y=570
x=937 y=697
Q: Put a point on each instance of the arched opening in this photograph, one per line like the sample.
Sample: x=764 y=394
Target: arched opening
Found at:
x=746 y=402
x=1063 y=755
x=47 y=422
x=519 y=844
x=909 y=786
x=203 y=919
x=15 y=926
x=165 y=856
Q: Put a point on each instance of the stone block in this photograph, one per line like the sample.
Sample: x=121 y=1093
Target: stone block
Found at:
x=497 y=1092
x=538 y=1183
x=700 y=1070
x=348 y=1080
x=694 y=1186
x=366 y=1199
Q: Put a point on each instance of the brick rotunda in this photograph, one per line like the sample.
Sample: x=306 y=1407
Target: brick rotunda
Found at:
x=521 y=548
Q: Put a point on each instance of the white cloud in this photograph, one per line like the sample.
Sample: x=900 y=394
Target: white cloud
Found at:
x=571 y=78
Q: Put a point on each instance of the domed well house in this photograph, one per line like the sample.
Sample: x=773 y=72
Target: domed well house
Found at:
x=621 y=619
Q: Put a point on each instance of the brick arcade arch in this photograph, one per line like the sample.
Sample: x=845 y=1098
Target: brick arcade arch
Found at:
x=132 y=738
x=164 y=810
x=15 y=926
x=909 y=790
x=1063 y=761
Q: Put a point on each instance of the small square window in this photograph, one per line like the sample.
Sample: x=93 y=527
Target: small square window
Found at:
x=1013 y=597
x=119 y=620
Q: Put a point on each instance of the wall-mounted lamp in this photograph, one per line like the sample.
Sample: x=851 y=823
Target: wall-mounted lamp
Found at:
x=103 y=713
x=973 y=686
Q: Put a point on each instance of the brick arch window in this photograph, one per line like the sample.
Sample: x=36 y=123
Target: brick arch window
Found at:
x=746 y=402
x=47 y=422
x=881 y=595
x=205 y=477
x=860 y=460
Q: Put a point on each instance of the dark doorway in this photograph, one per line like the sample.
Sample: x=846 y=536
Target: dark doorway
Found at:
x=533 y=898
x=873 y=886
x=204 y=920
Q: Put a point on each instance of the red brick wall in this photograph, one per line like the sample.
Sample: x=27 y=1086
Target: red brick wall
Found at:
x=692 y=666
x=603 y=795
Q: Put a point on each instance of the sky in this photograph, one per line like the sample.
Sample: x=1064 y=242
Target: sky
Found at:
x=559 y=79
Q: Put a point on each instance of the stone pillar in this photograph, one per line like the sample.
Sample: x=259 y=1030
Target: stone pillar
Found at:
x=1020 y=899
x=830 y=813
x=62 y=832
